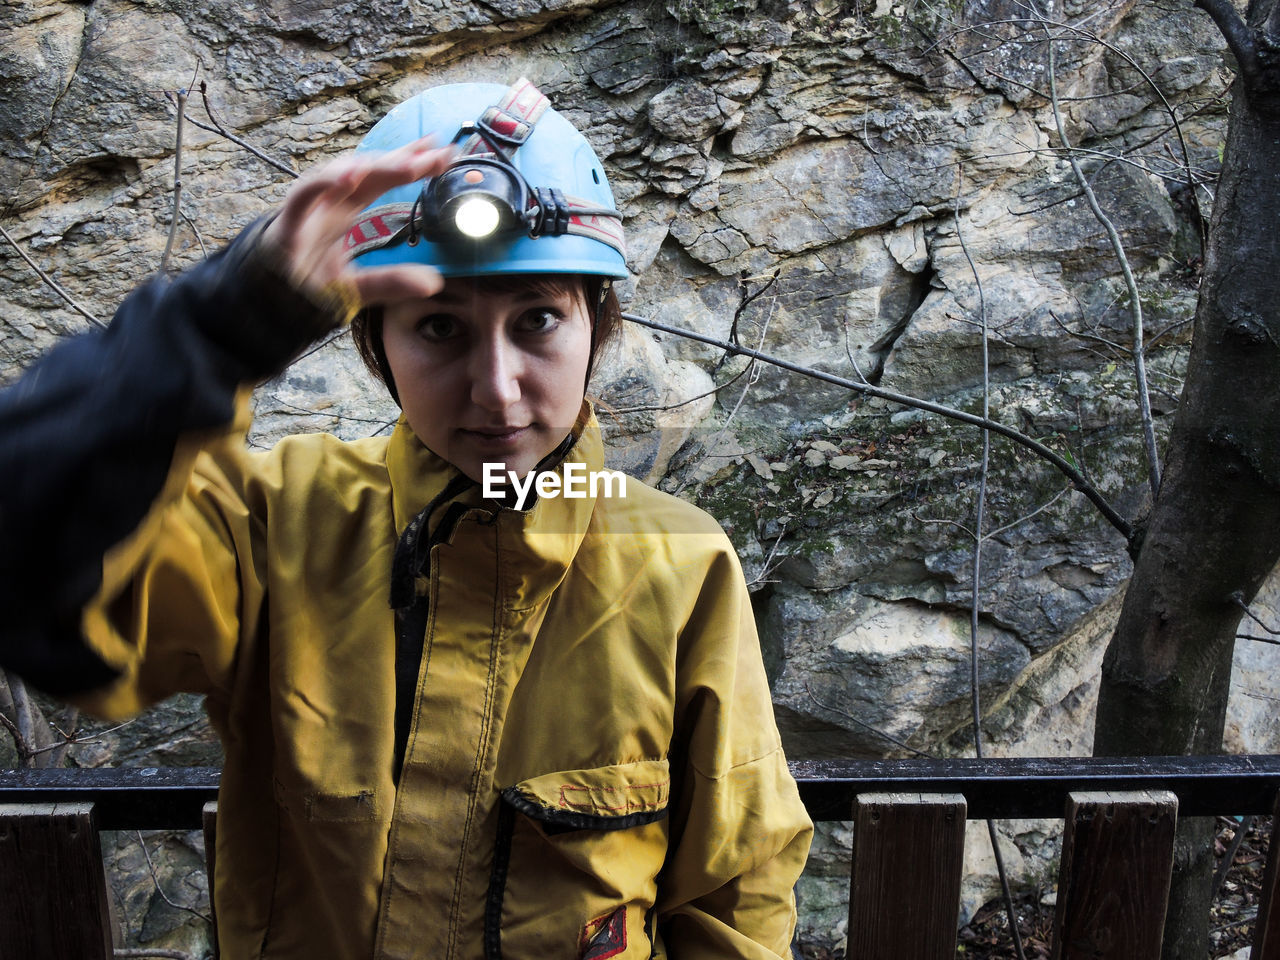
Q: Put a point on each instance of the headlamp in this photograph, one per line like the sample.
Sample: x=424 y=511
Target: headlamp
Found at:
x=475 y=199
x=481 y=196
x=477 y=217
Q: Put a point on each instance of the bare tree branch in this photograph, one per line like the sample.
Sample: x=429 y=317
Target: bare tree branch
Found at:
x=1236 y=32
x=1249 y=636
x=160 y=890
x=204 y=250
x=830 y=708
x=975 y=599
x=770 y=564
x=1238 y=599
x=176 y=215
x=219 y=129
x=1175 y=122
x=1135 y=301
x=752 y=376
x=1077 y=478
x=23 y=718
x=747 y=298
x=53 y=284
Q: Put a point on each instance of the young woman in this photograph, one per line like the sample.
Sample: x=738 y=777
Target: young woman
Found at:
x=459 y=721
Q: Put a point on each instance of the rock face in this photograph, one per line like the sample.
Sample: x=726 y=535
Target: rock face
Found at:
x=874 y=190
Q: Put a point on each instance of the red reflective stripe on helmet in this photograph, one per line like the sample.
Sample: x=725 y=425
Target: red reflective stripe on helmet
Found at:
x=607 y=230
x=505 y=126
x=513 y=117
x=377 y=228
x=524 y=100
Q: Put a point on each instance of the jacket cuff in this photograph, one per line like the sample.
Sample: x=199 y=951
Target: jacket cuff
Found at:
x=264 y=320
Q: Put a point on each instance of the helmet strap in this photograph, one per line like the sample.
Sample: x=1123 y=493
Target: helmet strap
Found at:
x=597 y=315
x=380 y=357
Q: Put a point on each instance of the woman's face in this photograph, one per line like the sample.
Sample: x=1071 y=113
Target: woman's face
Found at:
x=490 y=373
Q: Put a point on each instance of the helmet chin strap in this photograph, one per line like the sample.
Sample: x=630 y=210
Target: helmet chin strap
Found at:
x=598 y=314
x=380 y=355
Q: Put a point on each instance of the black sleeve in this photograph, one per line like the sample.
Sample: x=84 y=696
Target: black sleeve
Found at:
x=88 y=433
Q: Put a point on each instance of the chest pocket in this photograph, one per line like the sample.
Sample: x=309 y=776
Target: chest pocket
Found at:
x=576 y=863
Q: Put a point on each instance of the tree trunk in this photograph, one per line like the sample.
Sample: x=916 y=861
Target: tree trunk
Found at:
x=1214 y=531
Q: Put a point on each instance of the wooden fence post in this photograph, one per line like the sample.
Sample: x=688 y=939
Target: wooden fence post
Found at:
x=209 y=821
x=1113 y=888
x=904 y=887
x=52 y=885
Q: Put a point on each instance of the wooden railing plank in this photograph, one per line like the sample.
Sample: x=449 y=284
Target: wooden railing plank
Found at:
x=1266 y=938
x=52 y=884
x=1113 y=888
x=904 y=887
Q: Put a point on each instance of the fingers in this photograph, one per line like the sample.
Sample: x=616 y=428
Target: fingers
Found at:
x=319 y=209
x=360 y=178
x=404 y=281
x=348 y=184
x=417 y=161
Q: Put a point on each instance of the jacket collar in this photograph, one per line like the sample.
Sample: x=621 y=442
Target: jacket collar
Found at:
x=539 y=542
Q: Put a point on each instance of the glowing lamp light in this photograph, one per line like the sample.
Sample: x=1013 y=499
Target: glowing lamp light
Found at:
x=477 y=217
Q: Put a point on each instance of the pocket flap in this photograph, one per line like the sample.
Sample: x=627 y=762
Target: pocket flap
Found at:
x=602 y=798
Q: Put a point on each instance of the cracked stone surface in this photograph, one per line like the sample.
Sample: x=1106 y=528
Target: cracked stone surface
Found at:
x=856 y=187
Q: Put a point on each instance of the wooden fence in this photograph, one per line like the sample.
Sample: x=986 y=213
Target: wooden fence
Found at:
x=909 y=824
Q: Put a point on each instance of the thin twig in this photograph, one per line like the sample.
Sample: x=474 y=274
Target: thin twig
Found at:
x=981 y=504
x=866 y=726
x=218 y=128
x=746 y=300
x=309 y=411
x=768 y=566
x=19 y=744
x=67 y=298
x=976 y=595
x=176 y=216
x=159 y=953
x=204 y=250
x=1026 y=516
x=945 y=521
x=1117 y=246
x=73 y=738
x=1238 y=599
x=1229 y=856
x=1086 y=37
x=24 y=718
x=1249 y=636
x=337 y=335
x=160 y=890
x=659 y=408
x=752 y=376
x=1078 y=479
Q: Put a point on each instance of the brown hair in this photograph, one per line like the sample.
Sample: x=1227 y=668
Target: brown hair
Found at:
x=596 y=292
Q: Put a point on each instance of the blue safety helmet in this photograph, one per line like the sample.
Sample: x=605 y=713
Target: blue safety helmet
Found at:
x=524 y=174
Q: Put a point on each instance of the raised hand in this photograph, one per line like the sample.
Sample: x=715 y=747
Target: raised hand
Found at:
x=307 y=235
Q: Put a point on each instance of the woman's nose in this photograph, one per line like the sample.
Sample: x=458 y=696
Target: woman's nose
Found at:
x=495 y=374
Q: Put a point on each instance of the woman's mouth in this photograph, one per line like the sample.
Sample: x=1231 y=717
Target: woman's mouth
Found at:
x=499 y=436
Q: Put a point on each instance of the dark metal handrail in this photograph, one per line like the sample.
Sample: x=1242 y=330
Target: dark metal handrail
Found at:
x=130 y=798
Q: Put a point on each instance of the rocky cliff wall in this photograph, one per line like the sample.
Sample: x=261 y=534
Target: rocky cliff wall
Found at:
x=857 y=187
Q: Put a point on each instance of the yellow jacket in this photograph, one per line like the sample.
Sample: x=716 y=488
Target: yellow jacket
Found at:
x=592 y=767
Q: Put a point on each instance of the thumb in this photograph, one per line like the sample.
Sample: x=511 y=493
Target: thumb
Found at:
x=401 y=281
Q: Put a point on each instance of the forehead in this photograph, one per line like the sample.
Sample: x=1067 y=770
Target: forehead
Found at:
x=516 y=287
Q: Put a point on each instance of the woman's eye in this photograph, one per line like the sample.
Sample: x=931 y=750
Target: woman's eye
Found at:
x=437 y=327
x=540 y=321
